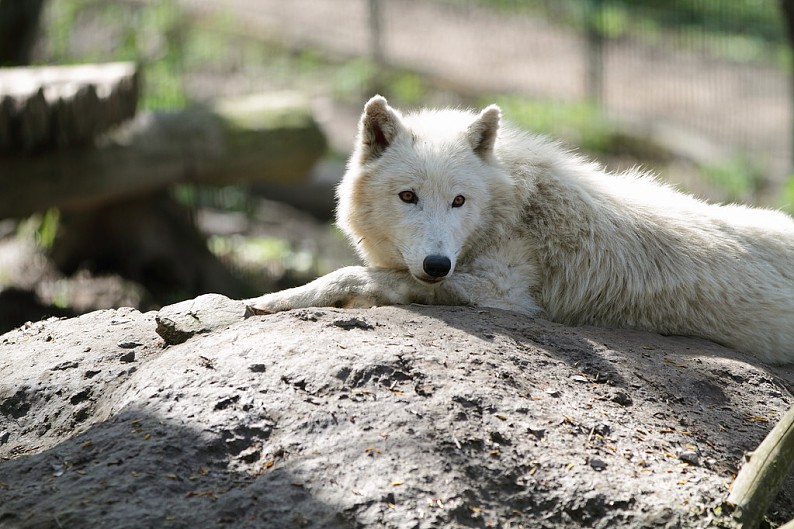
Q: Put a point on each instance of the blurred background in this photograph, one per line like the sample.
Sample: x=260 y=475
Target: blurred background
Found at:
x=197 y=148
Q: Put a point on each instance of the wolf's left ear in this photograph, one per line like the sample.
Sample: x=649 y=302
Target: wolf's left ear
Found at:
x=482 y=133
x=378 y=127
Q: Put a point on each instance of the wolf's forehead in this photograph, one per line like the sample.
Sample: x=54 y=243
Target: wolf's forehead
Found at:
x=430 y=167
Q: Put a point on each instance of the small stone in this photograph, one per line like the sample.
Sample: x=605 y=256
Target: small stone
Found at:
x=622 y=398
x=65 y=365
x=602 y=429
x=251 y=454
x=597 y=464
x=127 y=357
x=257 y=368
x=307 y=316
x=128 y=344
x=352 y=323
x=424 y=389
x=689 y=456
x=537 y=431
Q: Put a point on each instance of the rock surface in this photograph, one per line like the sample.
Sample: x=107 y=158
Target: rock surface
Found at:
x=396 y=417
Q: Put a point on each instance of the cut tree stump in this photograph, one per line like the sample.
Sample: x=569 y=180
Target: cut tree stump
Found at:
x=63 y=106
x=260 y=138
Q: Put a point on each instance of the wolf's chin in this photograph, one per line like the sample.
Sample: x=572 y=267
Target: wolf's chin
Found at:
x=429 y=281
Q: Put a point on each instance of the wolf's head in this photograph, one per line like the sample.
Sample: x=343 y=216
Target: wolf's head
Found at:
x=419 y=187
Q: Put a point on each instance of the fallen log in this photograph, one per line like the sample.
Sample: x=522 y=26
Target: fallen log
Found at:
x=261 y=138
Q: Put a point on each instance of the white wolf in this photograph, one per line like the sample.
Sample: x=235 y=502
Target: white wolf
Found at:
x=447 y=207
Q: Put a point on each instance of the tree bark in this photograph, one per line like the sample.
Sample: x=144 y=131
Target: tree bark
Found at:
x=19 y=23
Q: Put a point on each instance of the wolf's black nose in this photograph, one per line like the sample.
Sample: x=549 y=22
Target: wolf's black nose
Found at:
x=436 y=265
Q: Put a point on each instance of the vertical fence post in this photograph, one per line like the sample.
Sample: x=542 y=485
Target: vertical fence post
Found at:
x=787 y=9
x=376 y=32
x=594 y=52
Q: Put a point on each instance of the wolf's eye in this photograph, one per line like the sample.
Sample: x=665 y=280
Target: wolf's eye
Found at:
x=458 y=201
x=408 y=196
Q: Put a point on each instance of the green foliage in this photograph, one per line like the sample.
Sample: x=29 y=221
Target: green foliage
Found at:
x=739 y=179
x=738 y=30
x=63 y=16
x=584 y=126
x=581 y=123
x=349 y=78
x=252 y=250
x=788 y=196
x=757 y=17
x=45 y=235
x=360 y=78
x=272 y=257
x=40 y=228
x=613 y=22
x=229 y=198
x=740 y=17
x=408 y=88
x=149 y=33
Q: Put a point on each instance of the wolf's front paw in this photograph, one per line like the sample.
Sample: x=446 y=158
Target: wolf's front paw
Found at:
x=267 y=304
x=349 y=287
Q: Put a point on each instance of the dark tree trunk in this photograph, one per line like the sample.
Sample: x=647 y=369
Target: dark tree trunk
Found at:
x=19 y=23
x=787 y=6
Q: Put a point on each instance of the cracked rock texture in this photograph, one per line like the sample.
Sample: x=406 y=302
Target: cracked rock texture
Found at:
x=395 y=417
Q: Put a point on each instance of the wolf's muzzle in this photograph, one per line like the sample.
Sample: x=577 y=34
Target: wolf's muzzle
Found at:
x=436 y=265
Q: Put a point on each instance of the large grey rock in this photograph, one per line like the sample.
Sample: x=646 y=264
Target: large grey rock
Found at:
x=392 y=417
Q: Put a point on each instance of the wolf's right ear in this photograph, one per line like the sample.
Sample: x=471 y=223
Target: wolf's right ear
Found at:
x=378 y=127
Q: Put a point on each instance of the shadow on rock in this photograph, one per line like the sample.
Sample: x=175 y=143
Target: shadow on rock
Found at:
x=138 y=470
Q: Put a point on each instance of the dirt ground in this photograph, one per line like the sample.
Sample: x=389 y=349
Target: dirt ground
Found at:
x=395 y=417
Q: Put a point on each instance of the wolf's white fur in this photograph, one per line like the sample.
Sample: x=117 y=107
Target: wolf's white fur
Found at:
x=545 y=232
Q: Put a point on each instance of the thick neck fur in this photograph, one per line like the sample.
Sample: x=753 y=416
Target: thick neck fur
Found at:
x=625 y=250
x=586 y=238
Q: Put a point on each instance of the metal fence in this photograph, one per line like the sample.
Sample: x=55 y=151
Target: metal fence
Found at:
x=716 y=69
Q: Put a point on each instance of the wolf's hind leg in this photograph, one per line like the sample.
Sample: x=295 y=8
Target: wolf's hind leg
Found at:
x=352 y=286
